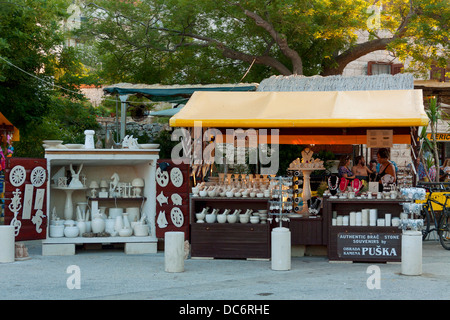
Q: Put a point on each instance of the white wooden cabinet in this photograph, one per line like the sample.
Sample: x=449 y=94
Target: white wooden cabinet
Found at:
x=101 y=164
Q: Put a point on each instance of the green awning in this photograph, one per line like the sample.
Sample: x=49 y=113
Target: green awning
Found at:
x=169 y=92
x=165 y=113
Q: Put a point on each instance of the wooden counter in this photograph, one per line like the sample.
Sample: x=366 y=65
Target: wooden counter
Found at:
x=363 y=243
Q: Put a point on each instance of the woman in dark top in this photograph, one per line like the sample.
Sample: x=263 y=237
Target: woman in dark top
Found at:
x=386 y=167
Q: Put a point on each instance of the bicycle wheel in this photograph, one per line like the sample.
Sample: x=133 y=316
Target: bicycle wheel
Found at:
x=444 y=230
x=425 y=216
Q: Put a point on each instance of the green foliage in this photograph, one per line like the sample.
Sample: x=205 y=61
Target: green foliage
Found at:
x=165 y=144
x=203 y=41
x=288 y=153
x=35 y=66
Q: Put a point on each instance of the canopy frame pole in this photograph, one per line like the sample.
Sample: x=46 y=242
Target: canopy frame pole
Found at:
x=123 y=115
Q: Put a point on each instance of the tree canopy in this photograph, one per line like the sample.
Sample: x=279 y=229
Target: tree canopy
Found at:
x=180 y=41
x=39 y=75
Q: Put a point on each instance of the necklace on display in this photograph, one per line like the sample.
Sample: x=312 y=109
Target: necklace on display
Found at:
x=356 y=185
x=343 y=185
x=314 y=207
x=336 y=184
x=333 y=187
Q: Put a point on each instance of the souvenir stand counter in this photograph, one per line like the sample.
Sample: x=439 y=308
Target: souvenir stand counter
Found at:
x=100 y=196
x=304 y=118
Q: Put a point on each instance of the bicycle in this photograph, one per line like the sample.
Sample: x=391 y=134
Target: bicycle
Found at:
x=441 y=224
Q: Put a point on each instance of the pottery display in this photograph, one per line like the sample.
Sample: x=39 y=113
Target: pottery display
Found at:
x=89 y=139
x=74 y=146
x=82 y=227
x=254 y=219
x=133 y=214
x=115 y=212
x=98 y=224
x=211 y=217
x=141 y=230
x=200 y=217
x=53 y=144
x=125 y=232
x=137 y=184
x=243 y=218
x=222 y=218
x=109 y=225
x=56 y=231
x=232 y=218
x=71 y=231
x=118 y=223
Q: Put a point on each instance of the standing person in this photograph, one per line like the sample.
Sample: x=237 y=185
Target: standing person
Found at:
x=386 y=167
x=420 y=169
x=343 y=169
x=360 y=170
x=373 y=168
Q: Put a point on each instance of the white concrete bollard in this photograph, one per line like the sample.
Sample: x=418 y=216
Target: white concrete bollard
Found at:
x=412 y=253
x=7 y=244
x=281 y=249
x=174 y=251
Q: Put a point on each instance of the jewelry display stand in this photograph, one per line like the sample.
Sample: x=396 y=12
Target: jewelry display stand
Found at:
x=281 y=203
x=306 y=165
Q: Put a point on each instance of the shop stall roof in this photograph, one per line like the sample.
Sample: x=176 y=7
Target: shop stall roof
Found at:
x=7 y=127
x=307 y=109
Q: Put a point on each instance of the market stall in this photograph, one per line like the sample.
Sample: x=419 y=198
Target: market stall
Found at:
x=306 y=118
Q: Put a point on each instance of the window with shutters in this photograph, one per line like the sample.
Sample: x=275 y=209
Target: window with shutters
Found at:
x=437 y=73
x=377 y=67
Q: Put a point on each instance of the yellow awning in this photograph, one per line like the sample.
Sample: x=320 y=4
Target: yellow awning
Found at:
x=332 y=109
x=6 y=124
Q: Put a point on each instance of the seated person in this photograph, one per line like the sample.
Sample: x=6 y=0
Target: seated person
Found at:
x=343 y=169
x=360 y=170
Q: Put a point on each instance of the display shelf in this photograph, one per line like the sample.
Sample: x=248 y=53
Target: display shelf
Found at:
x=363 y=243
x=229 y=240
x=307 y=231
x=118 y=199
x=103 y=240
x=102 y=164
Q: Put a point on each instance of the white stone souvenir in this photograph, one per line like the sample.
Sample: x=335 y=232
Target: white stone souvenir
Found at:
x=138 y=184
x=176 y=176
x=75 y=182
x=176 y=215
x=176 y=199
x=38 y=176
x=162 y=199
x=39 y=199
x=17 y=176
x=162 y=221
x=162 y=177
x=89 y=139
x=113 y=185
x=28 y=198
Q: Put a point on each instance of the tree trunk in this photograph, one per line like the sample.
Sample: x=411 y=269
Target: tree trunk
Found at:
x=435 y=149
